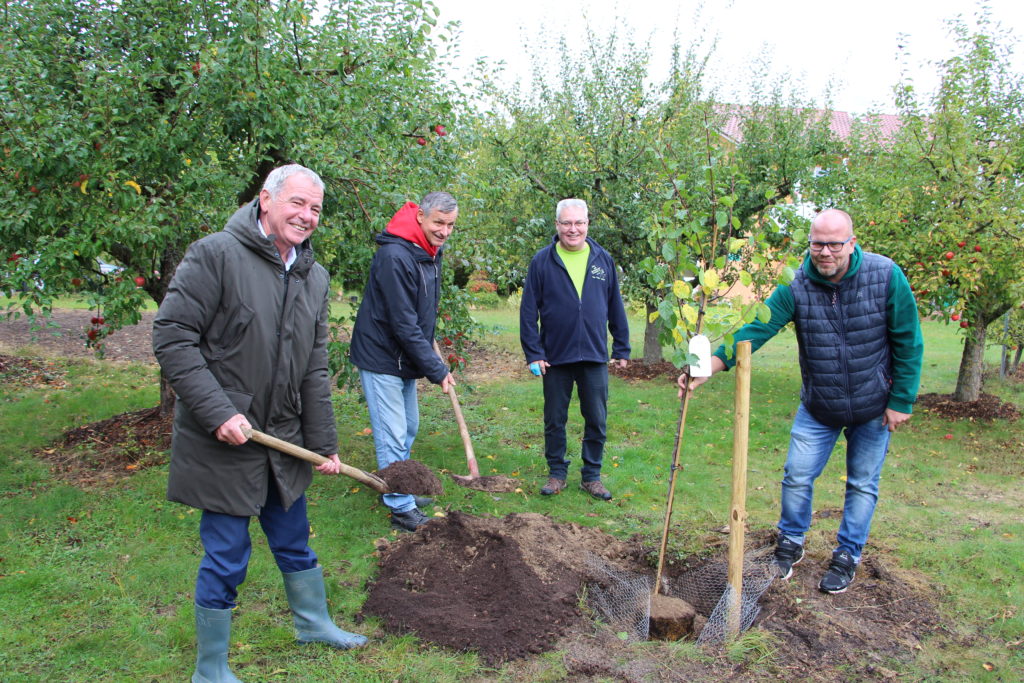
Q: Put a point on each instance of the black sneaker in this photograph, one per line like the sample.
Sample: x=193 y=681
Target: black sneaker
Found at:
x=787 y=554
x=840 y=573
x=409 y=520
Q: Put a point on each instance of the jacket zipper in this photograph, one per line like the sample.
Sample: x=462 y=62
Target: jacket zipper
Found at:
x=843 y=354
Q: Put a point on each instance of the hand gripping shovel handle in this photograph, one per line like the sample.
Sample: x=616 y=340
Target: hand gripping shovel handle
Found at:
x=371 y=480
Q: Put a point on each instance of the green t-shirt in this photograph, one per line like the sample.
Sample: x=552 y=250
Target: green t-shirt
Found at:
x=576 y=263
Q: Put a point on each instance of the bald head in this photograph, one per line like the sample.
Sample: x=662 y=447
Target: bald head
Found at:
x=833 y=219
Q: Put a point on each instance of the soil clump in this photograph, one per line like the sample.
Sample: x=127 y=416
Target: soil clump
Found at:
x=412 y=477
x=492 y=484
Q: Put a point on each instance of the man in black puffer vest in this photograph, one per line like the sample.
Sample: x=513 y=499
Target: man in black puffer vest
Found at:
x=860 y=345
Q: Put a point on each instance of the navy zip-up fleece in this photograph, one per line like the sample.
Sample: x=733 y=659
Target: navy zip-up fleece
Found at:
x=572 y=328
x=394 y=329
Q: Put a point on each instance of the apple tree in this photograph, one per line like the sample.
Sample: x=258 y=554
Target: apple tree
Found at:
x=603 y=130
x=129 y=129
x=944 y=197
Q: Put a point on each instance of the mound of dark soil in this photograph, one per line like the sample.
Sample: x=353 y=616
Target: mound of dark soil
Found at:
x=412 y=477
x=504 y=587
x=987 y=407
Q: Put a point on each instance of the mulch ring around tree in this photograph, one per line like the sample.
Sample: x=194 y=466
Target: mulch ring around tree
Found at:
x=105 y=451
x=512 y=587
x=987 y=407
x=638 y=370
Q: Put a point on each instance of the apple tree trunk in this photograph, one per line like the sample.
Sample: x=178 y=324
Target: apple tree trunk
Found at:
x=968 y=381
x=167 y=397
x=972 y=362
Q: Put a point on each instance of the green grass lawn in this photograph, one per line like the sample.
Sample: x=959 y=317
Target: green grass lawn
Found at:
x=96 y=584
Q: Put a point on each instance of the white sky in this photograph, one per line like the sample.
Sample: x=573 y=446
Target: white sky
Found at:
x=852 y=43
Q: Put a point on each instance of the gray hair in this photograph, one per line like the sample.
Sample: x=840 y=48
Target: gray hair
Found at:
x=570 y=203
x=276 y=178
x=440 y=201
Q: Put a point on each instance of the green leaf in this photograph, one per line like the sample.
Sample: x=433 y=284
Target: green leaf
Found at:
x=668 y=251
x=786 y=276
x=764 y=313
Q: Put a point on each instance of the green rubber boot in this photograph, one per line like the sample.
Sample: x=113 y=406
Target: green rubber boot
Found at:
x=213 y=631
x=308 y=600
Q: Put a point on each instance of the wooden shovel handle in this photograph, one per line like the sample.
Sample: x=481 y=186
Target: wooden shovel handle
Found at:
x=467 y=443
x=371 y=480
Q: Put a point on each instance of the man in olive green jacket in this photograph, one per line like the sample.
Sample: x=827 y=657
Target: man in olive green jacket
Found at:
x=242 y=338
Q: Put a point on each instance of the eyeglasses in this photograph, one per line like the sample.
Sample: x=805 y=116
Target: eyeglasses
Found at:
x=833 y=247
x=573 y=224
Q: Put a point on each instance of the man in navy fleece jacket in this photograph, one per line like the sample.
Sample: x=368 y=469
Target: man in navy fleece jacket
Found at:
x=573 y=288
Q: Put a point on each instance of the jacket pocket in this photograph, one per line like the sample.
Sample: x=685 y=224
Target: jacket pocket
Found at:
x=230 y=333
x=240 y=400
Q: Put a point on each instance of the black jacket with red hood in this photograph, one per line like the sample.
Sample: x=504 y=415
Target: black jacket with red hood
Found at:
x=394 y=330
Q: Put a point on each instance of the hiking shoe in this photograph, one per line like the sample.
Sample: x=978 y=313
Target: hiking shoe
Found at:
x=410 y=520
x=787 y=554
x=840 y=573
x=596 y=489
x=553 y=486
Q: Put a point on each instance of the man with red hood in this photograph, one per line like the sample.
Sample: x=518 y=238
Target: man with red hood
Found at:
x=393 y=338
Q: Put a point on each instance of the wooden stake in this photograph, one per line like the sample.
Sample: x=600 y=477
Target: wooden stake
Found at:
x=738 y=512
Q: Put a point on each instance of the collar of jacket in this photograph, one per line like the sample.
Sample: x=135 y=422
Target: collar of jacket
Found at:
x=416 y=250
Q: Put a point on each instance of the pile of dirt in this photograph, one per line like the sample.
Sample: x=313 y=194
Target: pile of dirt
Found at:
x=494 y=483
x=987 y=407
x=412 y=477
x=511 y=587
x=505 y=587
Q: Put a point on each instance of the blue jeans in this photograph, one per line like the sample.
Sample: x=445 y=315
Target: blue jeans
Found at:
x=810 y=446
x=394 y=419
x=591 y=381
x=228 y=547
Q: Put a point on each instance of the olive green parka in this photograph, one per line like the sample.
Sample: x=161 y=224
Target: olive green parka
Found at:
x=236 y=333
